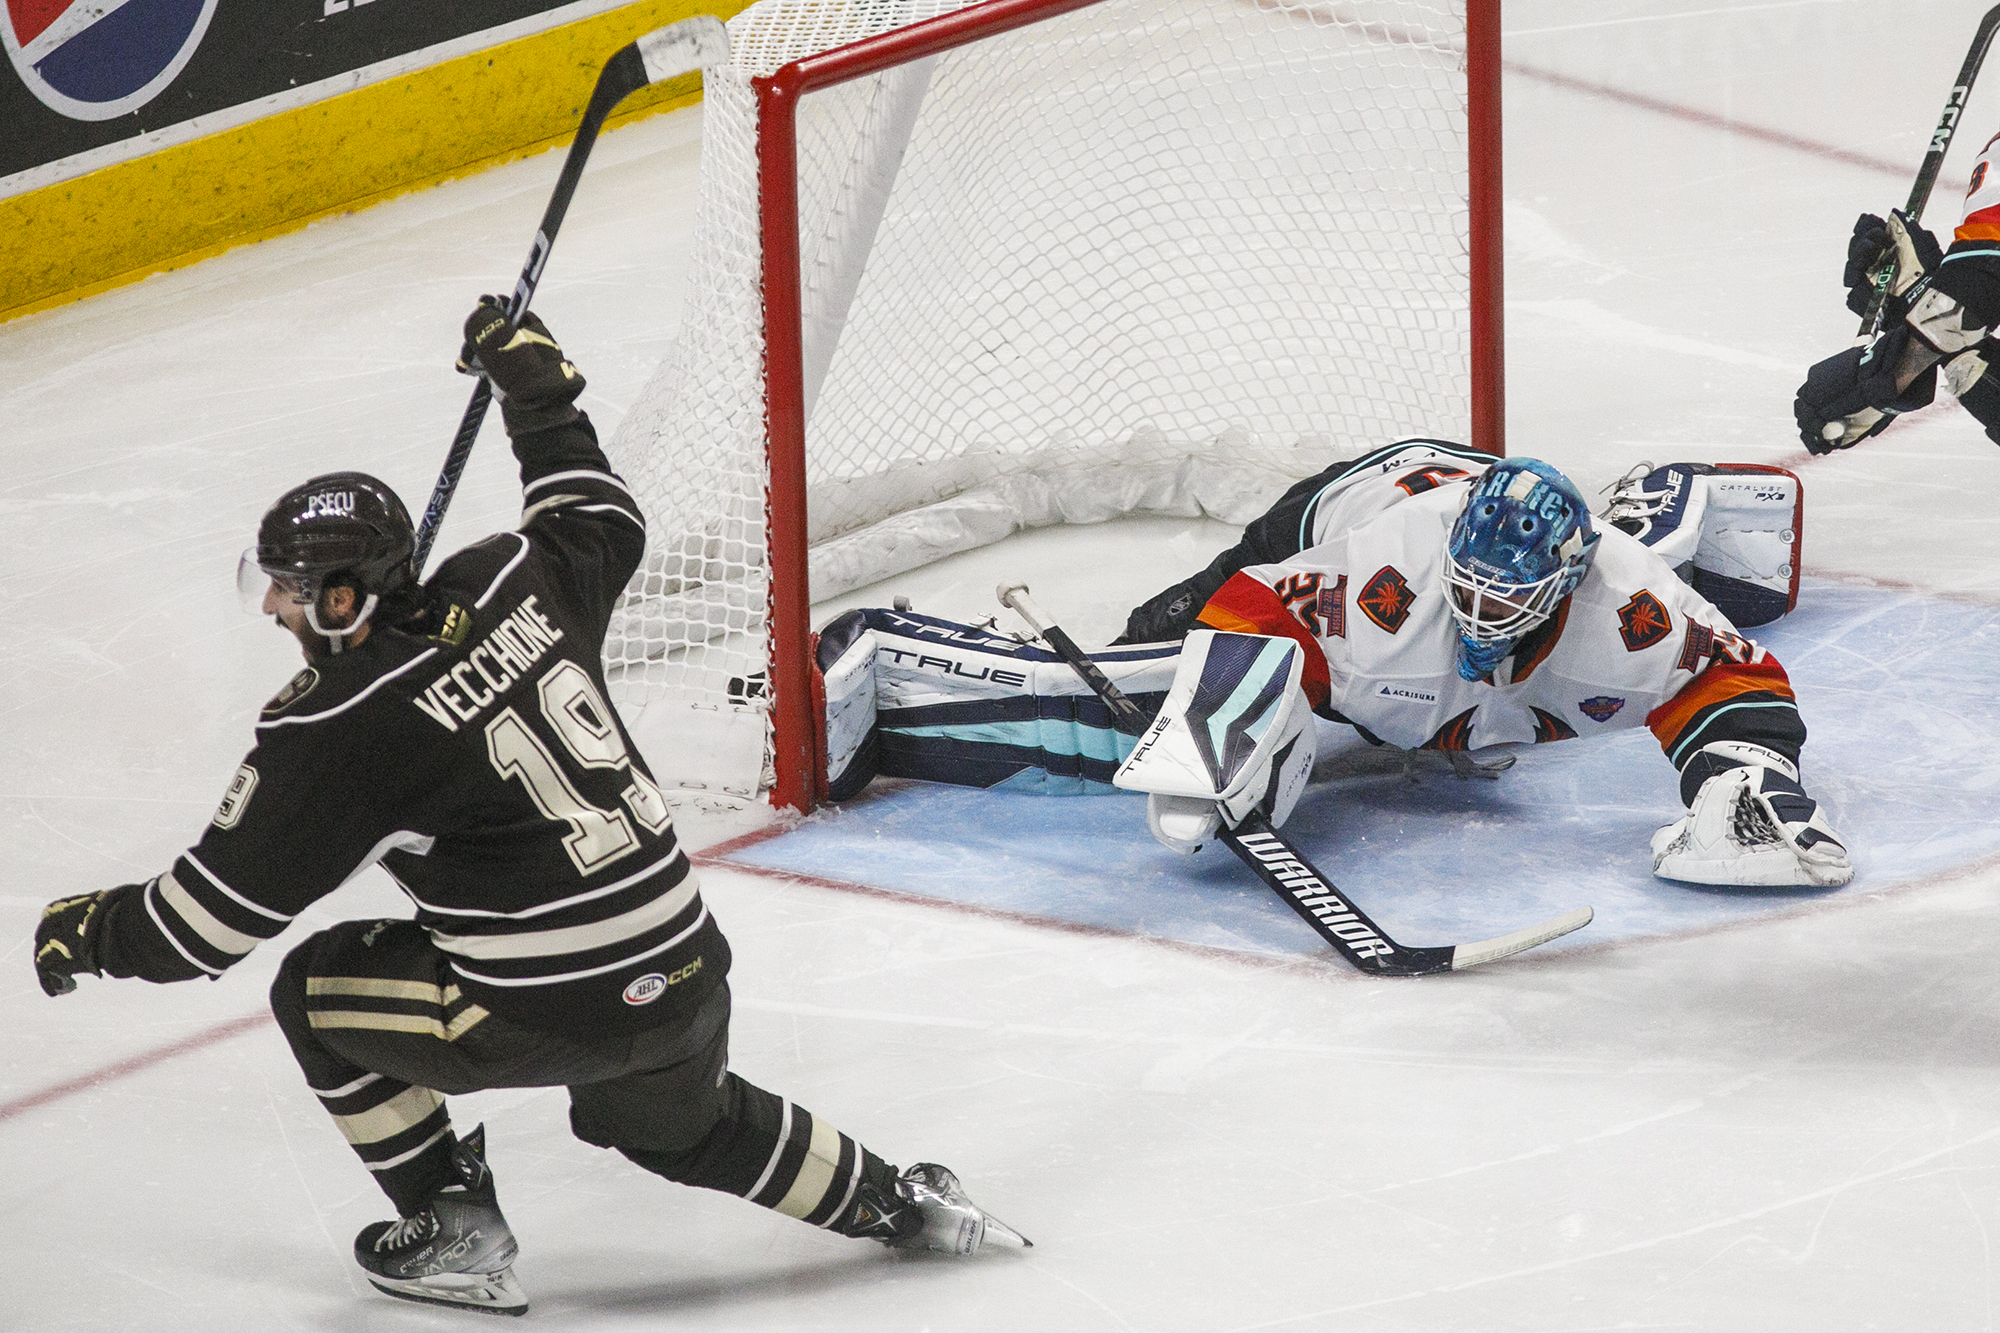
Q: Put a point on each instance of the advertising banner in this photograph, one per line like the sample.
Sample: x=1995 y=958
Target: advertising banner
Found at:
x=84 y=76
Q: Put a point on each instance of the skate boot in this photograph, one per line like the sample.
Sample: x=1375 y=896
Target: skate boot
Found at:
x=930 y=1212
x=457 y=1251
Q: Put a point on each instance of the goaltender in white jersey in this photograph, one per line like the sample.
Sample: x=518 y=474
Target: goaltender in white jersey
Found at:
x=1445 y=601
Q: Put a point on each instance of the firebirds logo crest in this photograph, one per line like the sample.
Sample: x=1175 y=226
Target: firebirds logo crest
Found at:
x=1643 y=622
x=1386 y=599
x=101 y=59
x=1601 y=707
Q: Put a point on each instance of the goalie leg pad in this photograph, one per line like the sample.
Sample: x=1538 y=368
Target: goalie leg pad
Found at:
x=917 y=696
x=1732 y=531
x=1751 y=536
x=1235 y=735
x=1752 y=825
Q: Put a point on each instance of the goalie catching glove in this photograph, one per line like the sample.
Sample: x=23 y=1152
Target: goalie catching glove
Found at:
x=1750 y=823
x=1234 y=737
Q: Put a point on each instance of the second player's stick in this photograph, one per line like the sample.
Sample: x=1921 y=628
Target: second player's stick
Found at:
x=1284 y=868
x=665 y=53
x=1883 y=271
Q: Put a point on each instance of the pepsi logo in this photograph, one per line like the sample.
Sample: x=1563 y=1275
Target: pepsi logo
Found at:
x=646 y=989
x=99 y=59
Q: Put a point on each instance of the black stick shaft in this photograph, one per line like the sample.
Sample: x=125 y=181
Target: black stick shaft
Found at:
x=1127 y=716
x=1884 y=270
x=623 y=74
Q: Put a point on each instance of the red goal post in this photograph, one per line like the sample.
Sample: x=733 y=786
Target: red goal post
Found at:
x=789 y=385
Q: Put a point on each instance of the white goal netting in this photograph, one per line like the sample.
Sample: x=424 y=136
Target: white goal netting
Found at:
x=1163 y=255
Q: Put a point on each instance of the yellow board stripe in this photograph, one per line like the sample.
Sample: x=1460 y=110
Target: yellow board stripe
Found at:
x=815 y=1173
x=186 y=203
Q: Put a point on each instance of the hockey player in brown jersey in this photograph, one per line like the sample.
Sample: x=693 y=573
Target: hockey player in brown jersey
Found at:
x=456 y=732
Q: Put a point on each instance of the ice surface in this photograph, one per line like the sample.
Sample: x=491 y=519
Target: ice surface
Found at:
x=1785 y=1120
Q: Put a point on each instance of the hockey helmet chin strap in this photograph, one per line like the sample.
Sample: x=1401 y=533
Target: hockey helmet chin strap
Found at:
x=336 y=638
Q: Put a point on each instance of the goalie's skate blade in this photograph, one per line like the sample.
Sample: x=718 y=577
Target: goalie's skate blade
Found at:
x=488 y=1293
x=1485 y=951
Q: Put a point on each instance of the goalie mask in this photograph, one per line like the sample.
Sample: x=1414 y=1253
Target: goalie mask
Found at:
x=347 y=529
x=1521 y=544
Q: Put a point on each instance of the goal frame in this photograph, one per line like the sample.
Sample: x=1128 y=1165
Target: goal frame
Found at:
x=795 y=737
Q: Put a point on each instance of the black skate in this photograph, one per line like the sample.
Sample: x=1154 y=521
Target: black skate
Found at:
x=457 y=1251
x=931 y=1212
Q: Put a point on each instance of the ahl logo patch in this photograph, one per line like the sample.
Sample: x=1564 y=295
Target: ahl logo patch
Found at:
x=646 y=989
x=1643 y=622
x=91 y=60
x=1601 y=707
x=1386 y=599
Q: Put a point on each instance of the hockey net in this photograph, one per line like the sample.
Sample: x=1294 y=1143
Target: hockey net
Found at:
x=1053 y=261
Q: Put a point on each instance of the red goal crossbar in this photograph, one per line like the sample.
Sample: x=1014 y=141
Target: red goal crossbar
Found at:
x=795 y=736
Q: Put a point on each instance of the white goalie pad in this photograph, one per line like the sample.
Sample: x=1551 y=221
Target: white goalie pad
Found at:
x=1732 y=531
x=850 y=704
x=1234 y=736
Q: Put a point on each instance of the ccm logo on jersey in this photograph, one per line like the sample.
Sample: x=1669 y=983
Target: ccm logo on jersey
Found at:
x=646 y=989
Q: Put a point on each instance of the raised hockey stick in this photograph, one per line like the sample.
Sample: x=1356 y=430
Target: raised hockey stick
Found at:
x=1883 y=272
x=1285 y=869
x=665 y=53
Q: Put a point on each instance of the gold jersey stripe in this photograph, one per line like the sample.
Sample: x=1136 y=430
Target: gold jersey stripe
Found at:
x=575 y=939
x=809 y=1186
x=404 y=1111
x=201 y=920
x=380 y=988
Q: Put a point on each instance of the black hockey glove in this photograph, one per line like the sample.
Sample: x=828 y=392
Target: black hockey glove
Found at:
x=534 y=383
x=1917 y=256
x=1856 y=390
x=66 y=942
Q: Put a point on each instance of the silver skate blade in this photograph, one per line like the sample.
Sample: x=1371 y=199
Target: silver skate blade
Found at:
x=999 y=1233
x=488 y=1293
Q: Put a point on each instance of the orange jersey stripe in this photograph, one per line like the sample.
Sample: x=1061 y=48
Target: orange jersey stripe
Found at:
x=1245 y=606
x=1979 y=231
x=1721 y=682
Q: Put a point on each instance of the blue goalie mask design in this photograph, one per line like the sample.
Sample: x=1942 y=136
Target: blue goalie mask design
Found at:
x=1521 y=544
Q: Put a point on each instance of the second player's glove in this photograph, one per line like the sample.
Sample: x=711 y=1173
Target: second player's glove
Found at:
x=1917 y=257
x=1855 y=390
x=66 y=942
x=534 y=383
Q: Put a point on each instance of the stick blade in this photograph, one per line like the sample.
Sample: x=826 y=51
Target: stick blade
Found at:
x=1485 y=951
x=681 y=48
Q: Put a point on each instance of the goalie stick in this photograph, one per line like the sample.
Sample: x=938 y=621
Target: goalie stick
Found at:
x=665 y=53
x=1883 y=271
x=1284 y=868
